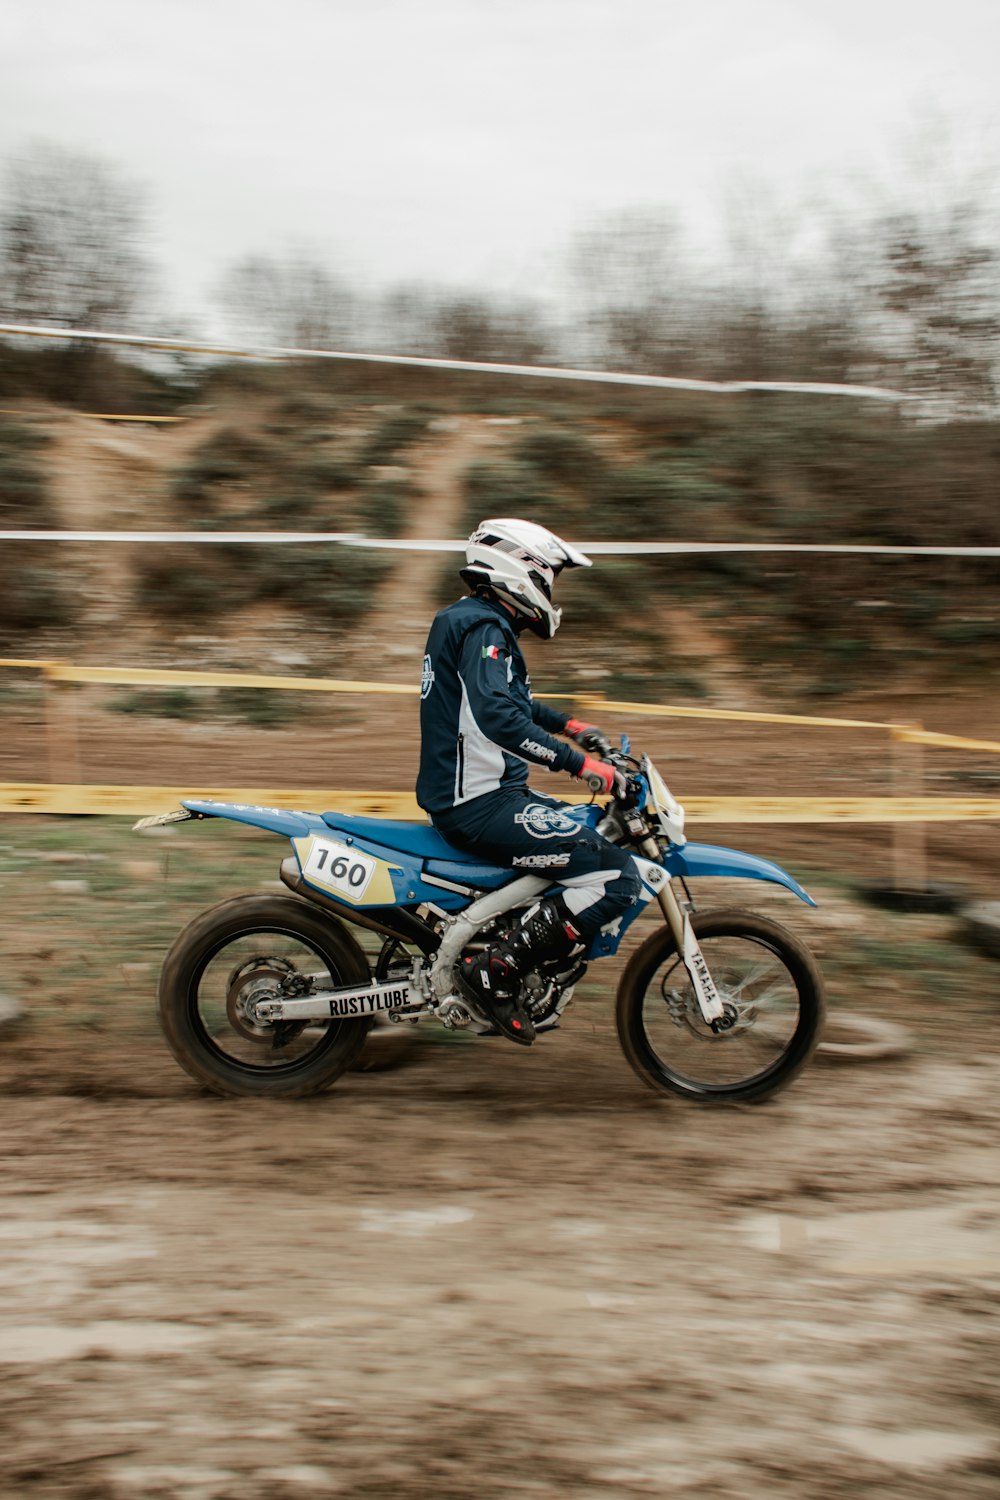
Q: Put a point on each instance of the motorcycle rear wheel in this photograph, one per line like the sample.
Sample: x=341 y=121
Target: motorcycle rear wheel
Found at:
x=217 y=960
x=764 y=974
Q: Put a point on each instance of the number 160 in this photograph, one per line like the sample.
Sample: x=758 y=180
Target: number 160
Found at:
x=340 y=869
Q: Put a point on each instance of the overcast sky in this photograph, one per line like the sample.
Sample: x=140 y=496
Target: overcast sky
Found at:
x=464 y=141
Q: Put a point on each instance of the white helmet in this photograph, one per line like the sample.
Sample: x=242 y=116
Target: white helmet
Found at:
x=520 y=561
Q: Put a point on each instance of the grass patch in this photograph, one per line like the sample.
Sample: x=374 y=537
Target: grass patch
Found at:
x=262 y=707
x=75 y=953
x=161 y=703
x=265 y=708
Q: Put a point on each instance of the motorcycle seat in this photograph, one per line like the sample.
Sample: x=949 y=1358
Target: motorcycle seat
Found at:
x=419 y=839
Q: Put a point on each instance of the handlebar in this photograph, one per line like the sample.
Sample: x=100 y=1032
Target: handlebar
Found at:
x=622 y=763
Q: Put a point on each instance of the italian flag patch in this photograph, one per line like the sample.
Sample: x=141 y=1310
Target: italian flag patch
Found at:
x=492 y=652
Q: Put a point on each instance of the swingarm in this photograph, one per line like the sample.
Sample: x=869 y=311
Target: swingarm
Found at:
x=346 y=1003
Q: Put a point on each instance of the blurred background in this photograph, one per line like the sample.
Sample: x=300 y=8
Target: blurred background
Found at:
x=701 y=194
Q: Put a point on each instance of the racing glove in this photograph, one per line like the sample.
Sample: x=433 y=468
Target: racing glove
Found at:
x=590 y=739
x=601 y=777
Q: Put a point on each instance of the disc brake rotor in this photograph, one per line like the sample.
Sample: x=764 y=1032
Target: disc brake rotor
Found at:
x=257 y=979
x=686 y=1012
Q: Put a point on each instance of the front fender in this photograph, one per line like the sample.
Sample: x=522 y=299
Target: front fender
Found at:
x=697 y=860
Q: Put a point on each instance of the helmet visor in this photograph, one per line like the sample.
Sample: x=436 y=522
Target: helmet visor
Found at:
x=543 y=579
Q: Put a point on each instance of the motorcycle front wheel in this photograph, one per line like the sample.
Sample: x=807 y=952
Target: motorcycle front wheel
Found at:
x=246 y=947
x=771 y=987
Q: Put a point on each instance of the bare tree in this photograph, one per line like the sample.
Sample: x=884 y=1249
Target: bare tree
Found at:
x=71 y=242
x=483 y=328
x=627 y=282
x=415 y=318
x=921 y=254
x=937 y=297
x=785 y=302
x=296 y=303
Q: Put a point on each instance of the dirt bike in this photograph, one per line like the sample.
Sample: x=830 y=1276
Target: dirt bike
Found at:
x=274 y=995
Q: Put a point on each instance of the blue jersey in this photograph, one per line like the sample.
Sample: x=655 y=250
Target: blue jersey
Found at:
x=480 y=728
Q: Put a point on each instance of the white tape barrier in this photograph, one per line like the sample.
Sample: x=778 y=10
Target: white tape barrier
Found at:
x=422 y=362
x=403 y=544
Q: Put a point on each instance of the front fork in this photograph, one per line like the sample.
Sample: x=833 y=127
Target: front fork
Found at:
x=679 y=921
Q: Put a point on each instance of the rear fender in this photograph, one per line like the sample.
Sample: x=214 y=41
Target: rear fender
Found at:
x=273 y=819
x=396 y=879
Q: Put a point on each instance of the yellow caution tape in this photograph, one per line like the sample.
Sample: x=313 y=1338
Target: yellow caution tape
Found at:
x=669 y=711
x=140 y=801
x=150 y=677
x=841 y=809
x=156 y=677
x=57 y=671
x=97 y=416
x=137 y=801
x=948 y=741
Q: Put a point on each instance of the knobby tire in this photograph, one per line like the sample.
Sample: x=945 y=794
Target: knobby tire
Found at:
x=206 y=937
x=642 y=969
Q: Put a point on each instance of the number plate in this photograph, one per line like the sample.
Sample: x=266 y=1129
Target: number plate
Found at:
x=339 y=868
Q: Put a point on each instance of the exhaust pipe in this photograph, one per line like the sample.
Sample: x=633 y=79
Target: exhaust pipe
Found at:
x=392 y=922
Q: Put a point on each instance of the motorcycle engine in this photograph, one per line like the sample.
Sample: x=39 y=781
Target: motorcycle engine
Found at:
x=547 y=992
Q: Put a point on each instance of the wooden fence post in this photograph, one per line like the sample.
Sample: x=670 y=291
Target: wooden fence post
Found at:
x=909 y=839
x=61 y=733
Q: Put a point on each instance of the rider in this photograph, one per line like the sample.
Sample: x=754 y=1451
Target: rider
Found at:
x=481 y=730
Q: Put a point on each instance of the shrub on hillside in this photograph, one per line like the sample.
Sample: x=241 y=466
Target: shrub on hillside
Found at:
x=332 y=584
x=23 y=491
x=563 y=455
x=185 y=583
x=386 y=505
x=506 y=488
x=32 y=591
x=163 y=703
x=318 y=473
x=230 y=457
x=237 y=479
x=392 y=435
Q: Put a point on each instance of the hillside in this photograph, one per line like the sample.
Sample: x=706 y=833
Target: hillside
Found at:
x=396 y=455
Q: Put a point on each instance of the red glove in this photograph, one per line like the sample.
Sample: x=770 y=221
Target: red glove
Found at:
x=601 y=777
x=588 y=737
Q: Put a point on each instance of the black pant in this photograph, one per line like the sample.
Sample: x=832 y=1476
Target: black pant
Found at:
x=532 y=834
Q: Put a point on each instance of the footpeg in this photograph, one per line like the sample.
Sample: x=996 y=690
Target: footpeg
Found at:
x=458 y=1016
x=454 y=1015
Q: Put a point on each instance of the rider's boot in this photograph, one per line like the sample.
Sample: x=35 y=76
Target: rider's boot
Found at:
x=492 y=978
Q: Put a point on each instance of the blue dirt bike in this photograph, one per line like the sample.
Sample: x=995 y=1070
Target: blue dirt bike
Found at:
x=274 y=996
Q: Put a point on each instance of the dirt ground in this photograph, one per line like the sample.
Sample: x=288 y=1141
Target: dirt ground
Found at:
x=498 y=1273
x=490 y=1271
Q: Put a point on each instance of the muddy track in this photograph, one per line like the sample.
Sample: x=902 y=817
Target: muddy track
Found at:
x=497 y=1274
